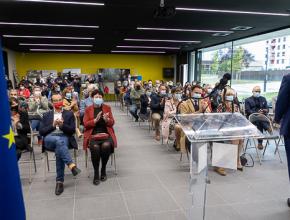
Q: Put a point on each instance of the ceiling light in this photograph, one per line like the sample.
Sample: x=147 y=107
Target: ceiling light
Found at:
x=232 y=11
x=60 y=50
x=241 y=28
x=64 y=2
x=182 y=30
x=139 y=51
x=149 y=47
x=48 y=25
x=56 y=45
x=49 y=37
x=161 y=40
x=221 y=34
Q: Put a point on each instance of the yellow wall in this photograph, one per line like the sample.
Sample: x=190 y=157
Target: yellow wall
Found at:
x=149 y=66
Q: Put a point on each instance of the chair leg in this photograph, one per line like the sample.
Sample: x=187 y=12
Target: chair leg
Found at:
x=112 y=159
x=257 y=151
x=267 y=143
x=47 y=161
x=45 y=165
x=34 y=162
x=30 y=168
x=115 y=164
x=180 y=157
x=277 y=150
x=86 y=159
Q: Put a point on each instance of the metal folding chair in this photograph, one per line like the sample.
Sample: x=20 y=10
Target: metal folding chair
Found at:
x=268 y=136
x=31 y=160
x=113 y=162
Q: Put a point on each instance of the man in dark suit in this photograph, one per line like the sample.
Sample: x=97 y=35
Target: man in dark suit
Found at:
x=258 y=104
x=58 y=127
x=282 y=114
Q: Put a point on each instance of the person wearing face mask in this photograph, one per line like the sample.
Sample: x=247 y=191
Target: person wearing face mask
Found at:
x=135 y=96
x=58 y=129
x=258 y=104
x=13 y=94
x=169 y=112
x=87 y=100
x=196 y=104
x=99 y=135
x=37 y=106
x=145 y=101
x=70 y=103
x=20 y=127
x=23 y=92
x=207 y=90
x=230 y=103
x=157 y=108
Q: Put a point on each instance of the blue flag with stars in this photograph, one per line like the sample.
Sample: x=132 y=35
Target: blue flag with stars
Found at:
x=11 y=198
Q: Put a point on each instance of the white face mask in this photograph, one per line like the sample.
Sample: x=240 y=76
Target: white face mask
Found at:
x=229 y=98
x=209 y=91
x=256 y=94
x=196 y=95
x=37 y=93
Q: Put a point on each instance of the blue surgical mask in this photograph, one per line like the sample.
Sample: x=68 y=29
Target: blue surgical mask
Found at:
x=196 y=95
x=163 y=93
x=148 y=94
x=178 y=96
x=256 y=94
x=229 y=98
x=98 y=101
x=68 y=96
x=169 y=95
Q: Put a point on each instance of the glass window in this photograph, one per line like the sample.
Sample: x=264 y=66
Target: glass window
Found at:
x=277 y=61
x=278 y=47
x=278 y=54
x=279 y=40
x=284 y=39
x=283 y=61
x=284 y=46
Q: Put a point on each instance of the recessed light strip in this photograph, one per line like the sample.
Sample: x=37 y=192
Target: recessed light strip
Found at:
x=60 y=50
x=161 y=40
x=232 y=11
x=48 y=37
x=56 y=45
x=149 y=47
x=64 y=2
x=181 y=30
x=48 y=25
x=138 y=51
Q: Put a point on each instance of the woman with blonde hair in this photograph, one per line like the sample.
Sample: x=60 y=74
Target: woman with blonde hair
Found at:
x=70 y=103
x=230 y=103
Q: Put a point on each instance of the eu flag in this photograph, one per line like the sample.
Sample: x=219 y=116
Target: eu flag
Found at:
x=11 y=199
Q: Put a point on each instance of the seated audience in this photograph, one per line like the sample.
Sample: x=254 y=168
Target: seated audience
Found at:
x=58 y=128
x=135 y=99
x=258 y=104
x=23 y=91
x=37 y=106
x=230 y=103
x=157 y=108
x=99 y=134
x=145 y=101
x=20 y=126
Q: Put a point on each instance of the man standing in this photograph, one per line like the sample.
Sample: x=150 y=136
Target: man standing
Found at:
x=282 y=114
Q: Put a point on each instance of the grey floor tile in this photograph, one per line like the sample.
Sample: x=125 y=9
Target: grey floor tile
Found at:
x=50 y=209
x=147 y=201
x=172 y=215
x=102 y=206
x=140 y=182
x=85 y=187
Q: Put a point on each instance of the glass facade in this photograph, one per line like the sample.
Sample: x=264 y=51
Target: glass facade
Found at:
x=261 y=60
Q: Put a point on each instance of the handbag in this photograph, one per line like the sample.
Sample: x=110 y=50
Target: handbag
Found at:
x=100 y=136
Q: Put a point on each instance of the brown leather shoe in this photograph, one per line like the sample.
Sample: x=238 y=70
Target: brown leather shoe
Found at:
x=260 y=146
x=59 y=188
x=221 y=171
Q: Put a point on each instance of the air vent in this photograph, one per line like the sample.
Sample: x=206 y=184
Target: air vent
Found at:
x=241 y=28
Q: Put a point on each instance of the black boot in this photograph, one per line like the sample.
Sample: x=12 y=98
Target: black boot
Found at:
x=103 y=174
x=96 y=180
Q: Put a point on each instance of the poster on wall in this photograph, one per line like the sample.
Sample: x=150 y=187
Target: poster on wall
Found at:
x=49 y=73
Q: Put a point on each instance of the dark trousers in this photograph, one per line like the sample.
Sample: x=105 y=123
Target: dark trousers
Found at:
x=261 y=125
x=287 y=148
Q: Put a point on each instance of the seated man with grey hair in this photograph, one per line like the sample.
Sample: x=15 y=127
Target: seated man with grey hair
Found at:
x=258 y=104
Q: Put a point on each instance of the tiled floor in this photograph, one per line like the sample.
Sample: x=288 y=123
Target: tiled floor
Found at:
x=152 y=184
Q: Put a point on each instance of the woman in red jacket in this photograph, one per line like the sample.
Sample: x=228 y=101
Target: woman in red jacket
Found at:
x=99 y=135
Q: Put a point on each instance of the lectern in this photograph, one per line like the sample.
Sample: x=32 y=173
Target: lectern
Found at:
x=204 y=131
